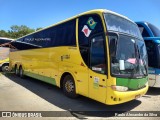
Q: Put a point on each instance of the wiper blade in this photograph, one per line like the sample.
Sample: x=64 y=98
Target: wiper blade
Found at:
x=133 y=71
x=142 y=61
x=145 y=67
x=137 y=60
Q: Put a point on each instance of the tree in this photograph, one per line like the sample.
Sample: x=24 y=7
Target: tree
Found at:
x=19 y=31
x=3 y=33
x=39 y=28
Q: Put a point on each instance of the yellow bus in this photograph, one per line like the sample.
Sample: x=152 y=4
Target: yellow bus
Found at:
x=99 y=54
x=4 y=53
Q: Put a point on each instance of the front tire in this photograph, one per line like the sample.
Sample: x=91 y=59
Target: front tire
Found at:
x=69 y=87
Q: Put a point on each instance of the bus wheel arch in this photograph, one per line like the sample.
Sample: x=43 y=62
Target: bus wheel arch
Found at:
x=67 y=84
x=5 y=67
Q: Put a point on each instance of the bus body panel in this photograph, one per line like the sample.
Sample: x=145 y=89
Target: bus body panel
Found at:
x=132 y=84
x=2 y=62
x=97 y=86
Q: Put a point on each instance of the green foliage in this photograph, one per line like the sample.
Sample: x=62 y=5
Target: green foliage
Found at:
x=39 y=28
x=3 y=33
x=17 y=31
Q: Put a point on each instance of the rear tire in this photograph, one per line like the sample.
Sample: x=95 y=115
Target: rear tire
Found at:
x=69 y=87
x=16 y=70
x=21 y=72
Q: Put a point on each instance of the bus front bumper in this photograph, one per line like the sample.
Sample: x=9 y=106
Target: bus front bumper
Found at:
x=116 y=97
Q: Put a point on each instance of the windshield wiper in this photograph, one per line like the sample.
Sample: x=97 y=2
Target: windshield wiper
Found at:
x=136 y=67
x=140 y=58
x=144 y=65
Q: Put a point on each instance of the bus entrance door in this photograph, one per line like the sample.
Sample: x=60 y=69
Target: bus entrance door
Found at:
x=97 y=71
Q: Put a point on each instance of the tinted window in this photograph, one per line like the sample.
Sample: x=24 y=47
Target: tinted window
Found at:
x=143 y=31
x=98 y=55
x=87 y=27
x=122 y=25
x=60 y=35
x=152 y=53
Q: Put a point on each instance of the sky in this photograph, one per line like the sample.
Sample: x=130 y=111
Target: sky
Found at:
x=43 y=13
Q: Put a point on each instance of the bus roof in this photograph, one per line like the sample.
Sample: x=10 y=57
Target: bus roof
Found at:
x=84 y=13
x=142 y=22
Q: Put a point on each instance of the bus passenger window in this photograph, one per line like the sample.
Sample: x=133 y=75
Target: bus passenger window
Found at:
x=152 y=53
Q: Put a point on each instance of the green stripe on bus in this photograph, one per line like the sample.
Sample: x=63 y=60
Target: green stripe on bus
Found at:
x=41 y=77
x=132 y=84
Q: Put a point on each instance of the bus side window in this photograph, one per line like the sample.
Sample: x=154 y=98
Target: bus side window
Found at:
x=152 y=56
x=88 y=26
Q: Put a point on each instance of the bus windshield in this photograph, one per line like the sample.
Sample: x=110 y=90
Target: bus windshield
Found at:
x=119 y=24
x=127 y=49
x=154 y=29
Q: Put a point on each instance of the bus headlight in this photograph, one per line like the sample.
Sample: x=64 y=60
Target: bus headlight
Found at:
x=119 y=88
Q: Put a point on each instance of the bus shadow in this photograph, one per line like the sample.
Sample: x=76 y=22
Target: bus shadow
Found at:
x=153 y=91
x=80 y=108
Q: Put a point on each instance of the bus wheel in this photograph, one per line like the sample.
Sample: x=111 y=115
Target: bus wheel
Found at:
x=5 y=68
x=16 y=70
x=21 y=72
x=69 y=87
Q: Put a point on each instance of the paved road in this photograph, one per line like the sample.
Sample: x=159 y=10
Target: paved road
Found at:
x=28 y=94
